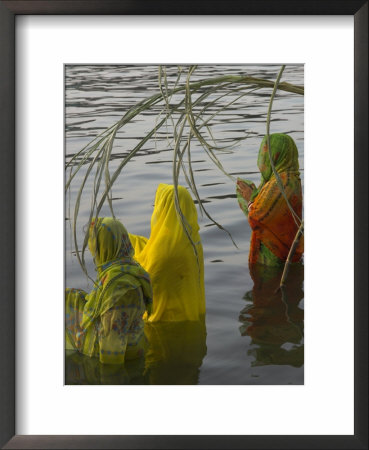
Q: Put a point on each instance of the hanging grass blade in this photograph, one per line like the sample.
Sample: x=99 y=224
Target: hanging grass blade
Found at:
x=98 y=152
x=76 y=210
x=85 y=148
x=185 y=225
x=296 y=218
x=201 y=205
x=125 y=161
x=107 y=173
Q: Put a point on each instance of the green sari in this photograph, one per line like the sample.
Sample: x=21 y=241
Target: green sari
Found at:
x=108 y=322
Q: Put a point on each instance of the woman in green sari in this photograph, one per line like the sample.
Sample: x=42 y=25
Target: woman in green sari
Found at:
x=107 y=322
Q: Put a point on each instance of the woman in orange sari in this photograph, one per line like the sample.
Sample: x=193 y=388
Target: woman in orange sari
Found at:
x=274 y=226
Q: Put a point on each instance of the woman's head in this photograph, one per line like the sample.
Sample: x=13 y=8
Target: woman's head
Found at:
x=165 y=210
x=108 y=240
x=284 y=155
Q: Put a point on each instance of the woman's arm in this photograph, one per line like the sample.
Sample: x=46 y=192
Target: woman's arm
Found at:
x=138 y=242
x=244 y=191
x=75 y=300
x=270 y=207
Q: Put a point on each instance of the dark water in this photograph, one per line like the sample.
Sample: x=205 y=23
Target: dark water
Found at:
x=252 y=335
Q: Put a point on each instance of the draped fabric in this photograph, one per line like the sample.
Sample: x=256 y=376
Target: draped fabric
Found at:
x=176 y=267
x=273 y=225
x=107 y=322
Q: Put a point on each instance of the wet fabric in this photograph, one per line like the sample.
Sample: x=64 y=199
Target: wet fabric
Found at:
x=175 y=268
x=272 y=223
x=107 y=322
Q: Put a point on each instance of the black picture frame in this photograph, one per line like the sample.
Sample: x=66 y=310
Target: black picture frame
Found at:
x=8 y=11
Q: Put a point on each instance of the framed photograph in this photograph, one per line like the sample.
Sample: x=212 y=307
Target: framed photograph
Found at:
x=107 y=110
x=188 y=272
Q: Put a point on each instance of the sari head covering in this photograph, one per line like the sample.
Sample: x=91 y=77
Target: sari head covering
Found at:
x=284 y=155
x=274 y=227
x=176 y=270
x=118 y=273
x=108 y=241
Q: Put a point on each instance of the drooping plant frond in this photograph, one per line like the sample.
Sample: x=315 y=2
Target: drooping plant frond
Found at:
x=184 y=114
x=298 y=220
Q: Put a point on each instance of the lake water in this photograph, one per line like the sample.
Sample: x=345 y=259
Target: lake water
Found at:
x=252 y=335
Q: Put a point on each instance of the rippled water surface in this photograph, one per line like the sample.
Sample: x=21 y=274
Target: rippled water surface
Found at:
x=252 y=335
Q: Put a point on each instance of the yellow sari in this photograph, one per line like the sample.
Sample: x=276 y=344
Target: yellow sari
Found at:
x=176 y=272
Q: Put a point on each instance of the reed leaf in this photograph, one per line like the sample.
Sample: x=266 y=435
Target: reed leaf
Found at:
x=296 y=218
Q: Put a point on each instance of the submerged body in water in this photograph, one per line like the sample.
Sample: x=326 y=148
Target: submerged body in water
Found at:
x=174 y=356
x=272 y=317
x=107 y=323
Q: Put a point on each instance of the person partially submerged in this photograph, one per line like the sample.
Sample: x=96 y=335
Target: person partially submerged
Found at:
x=176 y=266
x=107 y=322
x=273 y=225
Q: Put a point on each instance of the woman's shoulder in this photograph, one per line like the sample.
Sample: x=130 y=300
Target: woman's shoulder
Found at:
x=290 y=182
x=125 y=289
x=138 y=242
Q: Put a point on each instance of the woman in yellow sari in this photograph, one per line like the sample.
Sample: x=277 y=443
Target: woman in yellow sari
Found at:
x=108 y=322
x=176 y=268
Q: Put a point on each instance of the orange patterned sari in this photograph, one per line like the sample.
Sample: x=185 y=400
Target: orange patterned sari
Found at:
x=273 y=225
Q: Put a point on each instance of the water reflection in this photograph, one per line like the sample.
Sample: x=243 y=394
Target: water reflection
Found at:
x=174 y=356
x=273 y=318
x=176 y=351
x=82 y=369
